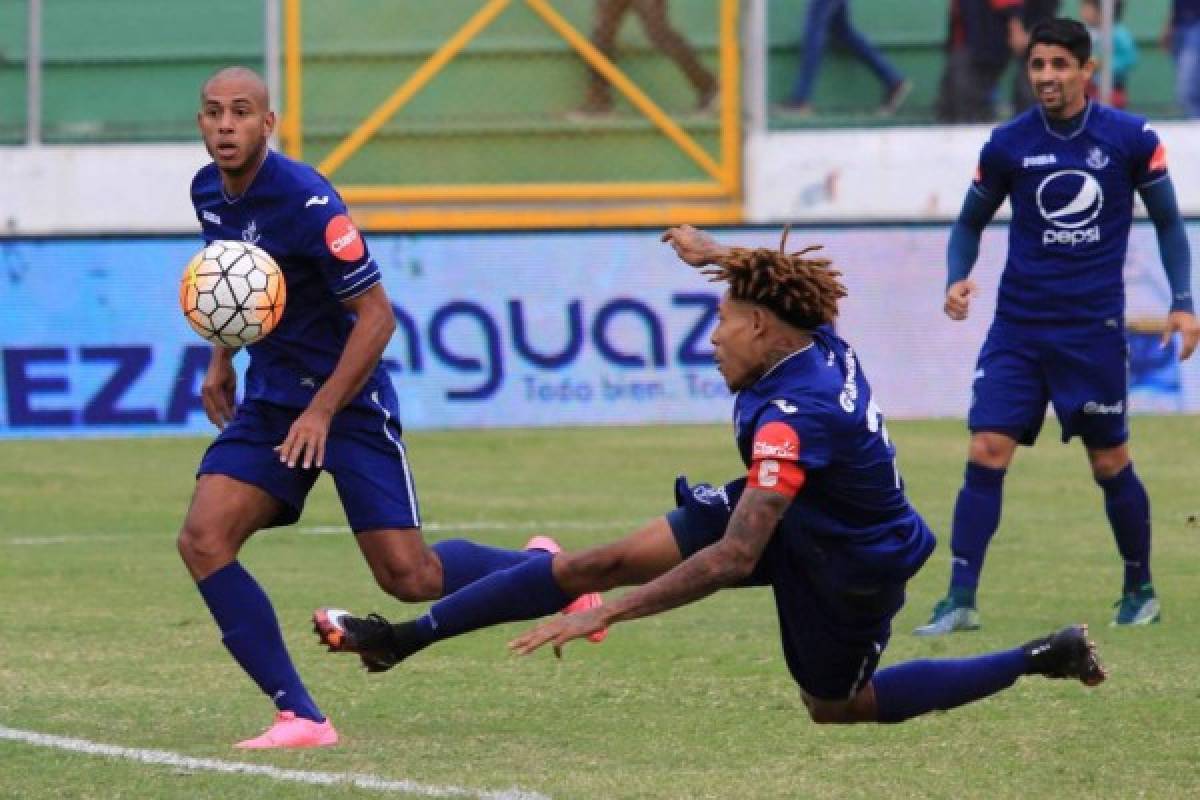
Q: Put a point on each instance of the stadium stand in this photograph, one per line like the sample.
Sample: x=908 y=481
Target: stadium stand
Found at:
x=912 y=35
x=126 y=70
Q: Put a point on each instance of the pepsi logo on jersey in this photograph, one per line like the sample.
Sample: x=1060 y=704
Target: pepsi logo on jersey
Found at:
x=1070 y=200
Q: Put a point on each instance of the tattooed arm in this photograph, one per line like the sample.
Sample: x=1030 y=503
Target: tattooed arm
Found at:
x=721 y=564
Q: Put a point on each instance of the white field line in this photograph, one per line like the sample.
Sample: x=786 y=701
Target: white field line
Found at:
x=483 y=525
x=326 y=530
x=73 y=538
x=169 y=759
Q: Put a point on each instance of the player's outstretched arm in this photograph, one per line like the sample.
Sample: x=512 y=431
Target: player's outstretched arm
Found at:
x=694 y=246
x=717 y=566
x=1173 y=247
x=373 y=327
x=219 y=390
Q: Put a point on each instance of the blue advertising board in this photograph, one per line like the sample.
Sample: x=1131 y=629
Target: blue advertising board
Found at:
x=510 y=329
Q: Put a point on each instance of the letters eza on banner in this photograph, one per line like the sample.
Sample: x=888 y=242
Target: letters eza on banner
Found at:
x=530 y=341
x=477 y=351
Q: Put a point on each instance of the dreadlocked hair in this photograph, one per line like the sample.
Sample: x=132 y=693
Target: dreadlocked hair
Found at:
x=803 y=292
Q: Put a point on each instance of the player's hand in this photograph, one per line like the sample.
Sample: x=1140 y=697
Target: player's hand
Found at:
x=1188 y=327
x=218 y=393
x=693 y=246
x=559 y=631
x=305 y=442
x=958 y=299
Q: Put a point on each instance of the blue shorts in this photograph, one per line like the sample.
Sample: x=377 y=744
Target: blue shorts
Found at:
x=833 y=622
x=364 y=454
x=1083 y=371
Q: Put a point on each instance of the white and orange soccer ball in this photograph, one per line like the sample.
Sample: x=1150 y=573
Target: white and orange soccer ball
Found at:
x=232 y=293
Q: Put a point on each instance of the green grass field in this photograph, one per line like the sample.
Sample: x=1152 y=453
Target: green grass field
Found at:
x=104 y=637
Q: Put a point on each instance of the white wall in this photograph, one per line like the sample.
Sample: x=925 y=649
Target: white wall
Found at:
x=98 y=189
x=909 y=174
x=905 y=174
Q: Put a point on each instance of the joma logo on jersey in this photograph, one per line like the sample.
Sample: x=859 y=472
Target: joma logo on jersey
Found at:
x=1070 y=200
x=1043 y=160
x=210 y=217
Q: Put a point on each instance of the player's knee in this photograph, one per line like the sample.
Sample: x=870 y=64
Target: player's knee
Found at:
x=826 y=713
x=203 y=547
x=410 y=583
x=838 y=712
x=990 y=451
x=1108 y=463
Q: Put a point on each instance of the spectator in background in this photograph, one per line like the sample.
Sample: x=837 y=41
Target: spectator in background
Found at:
x=982 y=36
x=1124 y=51
x=1033 y=12
x=833 y=16
x=653 y=16
x=1182 y=35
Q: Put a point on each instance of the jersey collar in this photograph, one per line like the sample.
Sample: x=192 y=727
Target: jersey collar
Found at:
x=267 y=162
x=1083 y=121
x=783 y=361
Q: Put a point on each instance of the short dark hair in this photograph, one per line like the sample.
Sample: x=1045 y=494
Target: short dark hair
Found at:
x=1064 y=32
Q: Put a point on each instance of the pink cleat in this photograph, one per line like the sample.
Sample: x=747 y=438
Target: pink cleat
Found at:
x=288 y=730
x=585 y=602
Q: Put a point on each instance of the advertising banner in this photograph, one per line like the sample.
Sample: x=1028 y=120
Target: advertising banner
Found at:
x=518 y=329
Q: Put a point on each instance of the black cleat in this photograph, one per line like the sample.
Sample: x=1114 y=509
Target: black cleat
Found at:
x=370 y=637
x=1066 y=654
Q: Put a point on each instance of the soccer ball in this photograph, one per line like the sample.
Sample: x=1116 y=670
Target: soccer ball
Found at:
x=232 y=293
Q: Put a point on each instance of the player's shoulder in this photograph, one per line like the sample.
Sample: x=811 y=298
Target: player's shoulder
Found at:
x=1128 y=134
x=1118 y=119
x=1016 y=134
x=299 y=178
x=206 y=180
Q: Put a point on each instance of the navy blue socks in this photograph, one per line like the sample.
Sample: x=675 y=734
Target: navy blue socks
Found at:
x=976 y=518
x=917 y=687
x=525 y=591
x=251 y=633
x=465 y=562
x=1128 y=509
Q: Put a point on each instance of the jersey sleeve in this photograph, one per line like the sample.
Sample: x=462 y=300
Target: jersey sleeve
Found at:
x=1149 y=157
x=992 y=177
x=785 y=446
x=337 y=246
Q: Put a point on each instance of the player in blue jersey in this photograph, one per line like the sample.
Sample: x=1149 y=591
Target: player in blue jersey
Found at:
x=1070 y=168
x=316 y=399
x=820 y=516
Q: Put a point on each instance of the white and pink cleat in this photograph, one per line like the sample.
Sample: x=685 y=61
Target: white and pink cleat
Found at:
x=585 y=602
x=290 y=731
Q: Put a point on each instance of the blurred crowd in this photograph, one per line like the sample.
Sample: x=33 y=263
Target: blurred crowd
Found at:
x=983 y=38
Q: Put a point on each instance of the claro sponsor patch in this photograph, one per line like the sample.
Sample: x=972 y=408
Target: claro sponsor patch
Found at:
x=774 y=460
x=343 y=239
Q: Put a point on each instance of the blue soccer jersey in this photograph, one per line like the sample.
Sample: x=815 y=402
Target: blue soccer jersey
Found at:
x=295 y=215
x=812 y=420
x=1072 y=207
x=848 y=541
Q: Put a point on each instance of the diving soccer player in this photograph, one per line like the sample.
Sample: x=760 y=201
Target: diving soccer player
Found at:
x=820 y=516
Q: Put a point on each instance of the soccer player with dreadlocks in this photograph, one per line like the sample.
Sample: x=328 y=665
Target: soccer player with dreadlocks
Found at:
x=820 y=517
